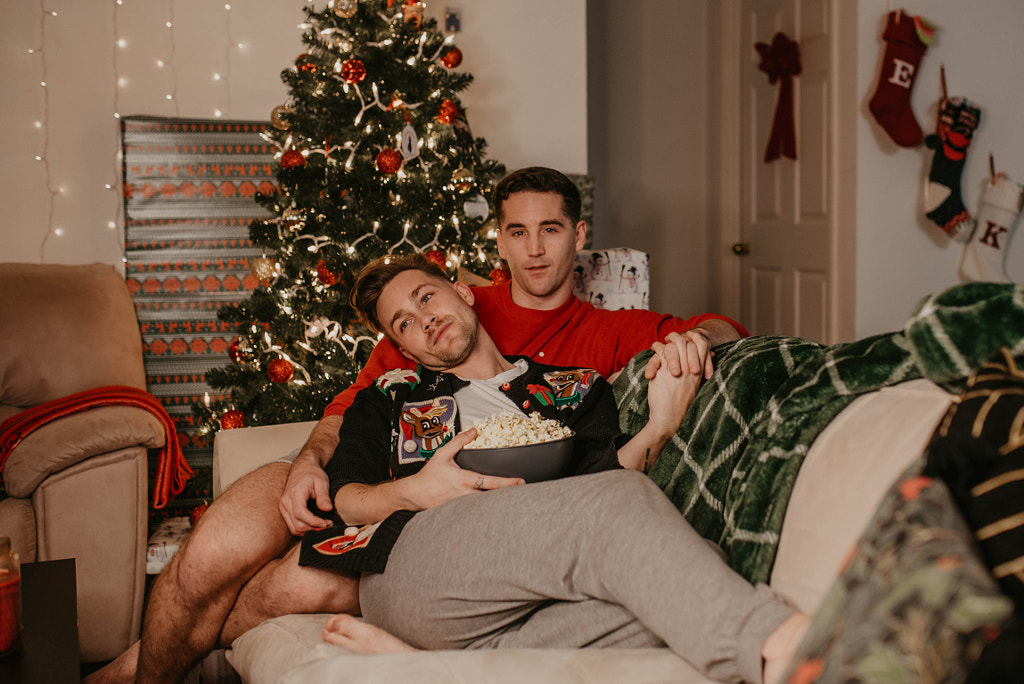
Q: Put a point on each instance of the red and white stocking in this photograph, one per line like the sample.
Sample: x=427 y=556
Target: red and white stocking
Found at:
x=985 y=255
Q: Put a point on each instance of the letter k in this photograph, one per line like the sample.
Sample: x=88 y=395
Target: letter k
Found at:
x=992 y=233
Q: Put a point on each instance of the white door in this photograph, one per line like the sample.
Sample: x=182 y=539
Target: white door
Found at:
x=795 y=268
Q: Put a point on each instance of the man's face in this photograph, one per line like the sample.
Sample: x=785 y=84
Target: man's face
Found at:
x=538 y=241
x=429 y=319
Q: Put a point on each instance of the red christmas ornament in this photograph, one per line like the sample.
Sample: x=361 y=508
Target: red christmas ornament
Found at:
x=233 y=349
x=500 y=276
x=326 y=275
x=447 y=112
x=280 y=370
x=389 y=160
x=292 y=159
x=232 y=419
x=436 y=256
x=452 y=58
x=304 y=63
x=353 y=71
x=196 y=513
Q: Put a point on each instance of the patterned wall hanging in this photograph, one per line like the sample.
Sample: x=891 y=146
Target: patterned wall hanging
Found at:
x=188 y=201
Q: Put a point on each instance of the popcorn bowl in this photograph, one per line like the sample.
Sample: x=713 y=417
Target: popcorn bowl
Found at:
x=532 y=462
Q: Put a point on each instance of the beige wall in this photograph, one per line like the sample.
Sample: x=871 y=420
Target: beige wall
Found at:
x=529 y=99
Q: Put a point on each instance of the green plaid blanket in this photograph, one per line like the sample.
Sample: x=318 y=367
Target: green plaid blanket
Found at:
x=731 y=467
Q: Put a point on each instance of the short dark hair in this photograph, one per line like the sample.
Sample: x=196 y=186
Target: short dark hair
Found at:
x=539 y=179
x=375 y=276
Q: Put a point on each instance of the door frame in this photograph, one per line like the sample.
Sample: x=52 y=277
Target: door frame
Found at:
x=842 y=280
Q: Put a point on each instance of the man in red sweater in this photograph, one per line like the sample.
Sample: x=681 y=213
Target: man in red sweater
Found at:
x=222 y=581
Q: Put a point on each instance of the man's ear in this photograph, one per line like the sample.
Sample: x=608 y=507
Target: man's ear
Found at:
x=465 y=292
x=501 y=243
x=581 y=235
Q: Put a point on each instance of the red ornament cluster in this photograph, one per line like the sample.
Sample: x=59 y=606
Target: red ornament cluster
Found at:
x=500 y=276
x=326 y=275
x=353 y=70
x=232 y=419
x=280 y=370
x=452 y=58
x=447 y=112
x=292 y=159
x=304 y=63
x=389 y=160
x=436 y=256
x=196 y=513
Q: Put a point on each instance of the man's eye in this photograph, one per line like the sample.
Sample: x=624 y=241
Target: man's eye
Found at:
x=426 y=297
x=402 y=326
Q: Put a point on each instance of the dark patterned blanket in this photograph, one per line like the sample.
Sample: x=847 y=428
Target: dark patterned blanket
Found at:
x=732 y=465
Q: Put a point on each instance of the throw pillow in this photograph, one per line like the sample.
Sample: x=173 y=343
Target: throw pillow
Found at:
x=914 y=603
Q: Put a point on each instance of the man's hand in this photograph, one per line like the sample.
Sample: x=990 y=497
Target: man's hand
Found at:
x=307 y=479
x=688 y=352
x=441 y=479
x=669 y=396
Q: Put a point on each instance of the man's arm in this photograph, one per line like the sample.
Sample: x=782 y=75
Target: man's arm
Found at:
x=440 y=480
x=669 y=397
x=307 y=479
x=692 y=348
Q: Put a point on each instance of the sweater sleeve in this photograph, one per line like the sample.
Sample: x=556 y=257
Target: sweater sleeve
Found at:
x=596 y=424
x=384 y=357
x=363 y=451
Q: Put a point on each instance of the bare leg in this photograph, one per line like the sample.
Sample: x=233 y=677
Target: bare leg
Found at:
x=121 y=670
x=361 y=637
x=192 y=597
x=283 y=587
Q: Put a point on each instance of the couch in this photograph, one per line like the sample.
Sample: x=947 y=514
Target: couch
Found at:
x=76 y=487
x=862 y=540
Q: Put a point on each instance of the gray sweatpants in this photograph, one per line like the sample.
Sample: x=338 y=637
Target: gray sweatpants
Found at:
x=599 y=560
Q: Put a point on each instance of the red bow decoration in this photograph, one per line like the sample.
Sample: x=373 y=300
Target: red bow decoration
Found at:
x=781 y=61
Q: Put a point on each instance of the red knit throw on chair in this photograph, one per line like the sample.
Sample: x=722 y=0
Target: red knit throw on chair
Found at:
x=172 y=470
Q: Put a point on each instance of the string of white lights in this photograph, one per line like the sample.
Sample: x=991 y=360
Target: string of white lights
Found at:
x=44 y=124
x=117 y=225
x=229 y=49
x=173 y=95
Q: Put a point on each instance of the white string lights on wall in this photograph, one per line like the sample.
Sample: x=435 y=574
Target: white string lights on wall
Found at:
x=44 y=124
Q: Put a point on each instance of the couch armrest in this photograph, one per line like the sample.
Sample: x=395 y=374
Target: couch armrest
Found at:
x=74 y=438
x=95 y=512
x=242 y=450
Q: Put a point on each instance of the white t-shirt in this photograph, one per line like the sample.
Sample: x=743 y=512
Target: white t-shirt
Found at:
x=484 y=398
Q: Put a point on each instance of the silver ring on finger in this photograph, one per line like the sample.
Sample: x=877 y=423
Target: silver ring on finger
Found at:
x=480 y=483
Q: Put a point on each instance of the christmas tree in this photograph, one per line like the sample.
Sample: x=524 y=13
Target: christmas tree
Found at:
x=375 y=157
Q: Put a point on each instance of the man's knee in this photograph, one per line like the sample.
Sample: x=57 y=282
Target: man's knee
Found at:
x=240 y=532
x=299 y=589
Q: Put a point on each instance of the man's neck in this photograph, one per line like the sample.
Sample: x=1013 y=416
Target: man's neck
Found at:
x=526 y=300
x=485 y=361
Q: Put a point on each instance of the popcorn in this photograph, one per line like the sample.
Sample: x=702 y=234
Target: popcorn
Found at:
x=509 y=429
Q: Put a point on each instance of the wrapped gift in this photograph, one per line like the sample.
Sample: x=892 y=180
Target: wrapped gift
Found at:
x=165 y=542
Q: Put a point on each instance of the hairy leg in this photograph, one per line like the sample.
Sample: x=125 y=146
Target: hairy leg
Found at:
x=240 y=533
x=282 y=587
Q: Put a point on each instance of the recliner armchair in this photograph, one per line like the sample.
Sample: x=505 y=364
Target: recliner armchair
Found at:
x=77 y=486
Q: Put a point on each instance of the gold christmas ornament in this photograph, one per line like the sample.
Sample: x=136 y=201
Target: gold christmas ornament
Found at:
x=277 y=116
x=463 y=179
x=343 y=8
x=264 y=268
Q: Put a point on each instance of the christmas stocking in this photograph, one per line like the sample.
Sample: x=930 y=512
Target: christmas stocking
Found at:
x=957 y=120
x=998 y=209
x=906 y=39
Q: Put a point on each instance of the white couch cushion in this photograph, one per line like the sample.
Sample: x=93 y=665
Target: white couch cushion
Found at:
x=843 y=478
x=288 y=650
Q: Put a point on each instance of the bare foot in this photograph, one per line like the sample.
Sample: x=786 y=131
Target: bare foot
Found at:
x=781 y=645
x=121 y=670
x=362 y=637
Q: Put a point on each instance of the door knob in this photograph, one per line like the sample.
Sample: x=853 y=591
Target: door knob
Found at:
x=741 y=248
